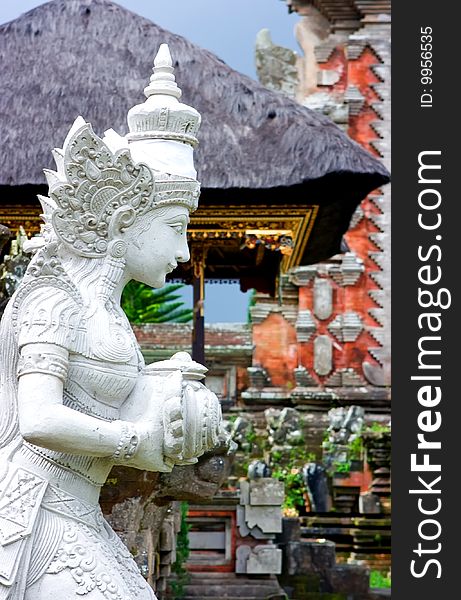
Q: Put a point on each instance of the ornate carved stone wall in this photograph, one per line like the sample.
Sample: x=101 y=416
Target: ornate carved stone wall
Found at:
x=339 y=310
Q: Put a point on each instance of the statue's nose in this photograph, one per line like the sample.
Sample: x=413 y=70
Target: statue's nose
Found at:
x=183 y=254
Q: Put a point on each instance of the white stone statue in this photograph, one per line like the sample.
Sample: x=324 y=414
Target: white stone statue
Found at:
x=76 y=398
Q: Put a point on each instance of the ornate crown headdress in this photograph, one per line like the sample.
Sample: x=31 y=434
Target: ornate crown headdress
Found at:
x=152 y=166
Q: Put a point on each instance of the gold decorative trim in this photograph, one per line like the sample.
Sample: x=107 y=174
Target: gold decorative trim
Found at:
x=27 y=215
x=233 y=222
x=209 y=223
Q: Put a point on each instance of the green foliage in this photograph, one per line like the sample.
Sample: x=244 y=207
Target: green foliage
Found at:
x=378 y=428
x=355 y=449
x=378 y=580
x=294 y=487
x=252 y=442
x=341 y=467
x=276 y=456
x=299 y=456
x=287 y=466
x=250 y=435
x=338 y=458
x=178 y=584
x=291 y=474
x=244 y=465
x=143 y=304
x=251 y=302
x=327 y=447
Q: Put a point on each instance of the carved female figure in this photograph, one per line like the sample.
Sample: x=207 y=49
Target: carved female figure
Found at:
x=73 y=398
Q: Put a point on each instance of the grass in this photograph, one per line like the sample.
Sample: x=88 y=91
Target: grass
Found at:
x=379 y=580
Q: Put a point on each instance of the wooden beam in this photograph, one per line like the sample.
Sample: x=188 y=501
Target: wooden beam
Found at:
x=198 y=285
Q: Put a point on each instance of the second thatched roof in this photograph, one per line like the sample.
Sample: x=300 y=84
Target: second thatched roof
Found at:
x=93 y=57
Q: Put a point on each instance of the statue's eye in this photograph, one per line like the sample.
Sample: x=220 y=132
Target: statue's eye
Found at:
x=178 y=227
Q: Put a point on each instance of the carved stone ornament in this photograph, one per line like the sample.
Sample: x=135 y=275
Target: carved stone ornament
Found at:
x=76 y=397
x=346 y=327
x=323 y=355
x=305 y=325
x=323 y=298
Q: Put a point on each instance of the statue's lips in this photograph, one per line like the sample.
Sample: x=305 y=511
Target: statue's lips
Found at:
x=171 y=268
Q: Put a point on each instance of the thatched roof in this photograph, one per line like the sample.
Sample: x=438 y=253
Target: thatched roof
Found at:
x=93 y=57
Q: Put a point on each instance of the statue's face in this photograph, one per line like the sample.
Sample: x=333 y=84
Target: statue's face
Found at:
x=155 y=251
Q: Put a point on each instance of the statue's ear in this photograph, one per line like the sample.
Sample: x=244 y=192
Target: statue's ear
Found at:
x=122 y=218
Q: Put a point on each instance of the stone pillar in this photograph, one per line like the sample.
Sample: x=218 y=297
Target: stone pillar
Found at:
x=259 y=517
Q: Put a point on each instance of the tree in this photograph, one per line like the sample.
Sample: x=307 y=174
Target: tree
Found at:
x=143 y=304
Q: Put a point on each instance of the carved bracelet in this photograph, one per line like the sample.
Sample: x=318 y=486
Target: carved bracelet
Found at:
x=127 y=444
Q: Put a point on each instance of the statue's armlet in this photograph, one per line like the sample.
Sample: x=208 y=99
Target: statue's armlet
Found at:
x=44 y=358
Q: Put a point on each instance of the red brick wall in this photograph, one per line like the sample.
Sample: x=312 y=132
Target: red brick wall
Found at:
x=276 y=348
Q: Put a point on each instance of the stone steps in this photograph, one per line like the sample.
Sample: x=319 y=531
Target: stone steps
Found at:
x=380 y=593
x=226 y=591
x=229 y=586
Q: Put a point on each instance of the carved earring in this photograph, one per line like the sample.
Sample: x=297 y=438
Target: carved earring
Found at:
x=117 y=248
x=113 y=268
x=114 y=262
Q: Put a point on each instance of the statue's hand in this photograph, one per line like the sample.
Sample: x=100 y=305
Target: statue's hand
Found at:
x=173 y=424
x=183 y=422
x=158 y=424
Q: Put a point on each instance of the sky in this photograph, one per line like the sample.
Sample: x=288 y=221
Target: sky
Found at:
x=228 y=29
